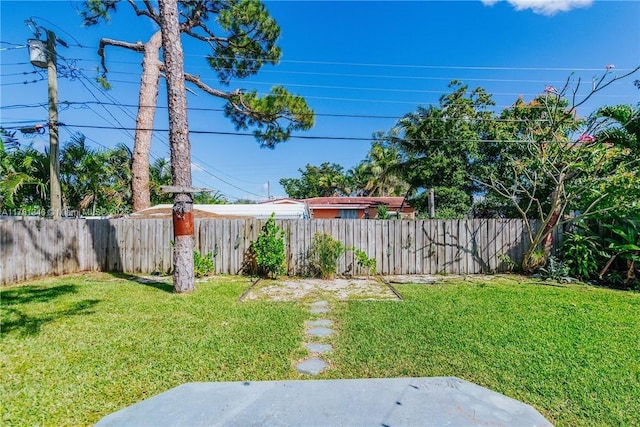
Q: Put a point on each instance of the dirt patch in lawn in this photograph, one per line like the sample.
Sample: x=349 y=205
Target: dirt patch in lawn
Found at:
x=336 y=289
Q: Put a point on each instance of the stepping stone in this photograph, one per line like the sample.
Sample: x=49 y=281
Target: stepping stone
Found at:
x=320 y=304
x=320 y=332
x=322 y=322
x=318 y=348
x=320 y=307
x=312 y=366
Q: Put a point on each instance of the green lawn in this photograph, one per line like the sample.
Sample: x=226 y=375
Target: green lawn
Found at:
x=74 y=349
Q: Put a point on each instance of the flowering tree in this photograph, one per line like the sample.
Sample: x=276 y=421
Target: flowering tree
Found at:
x=550 y=163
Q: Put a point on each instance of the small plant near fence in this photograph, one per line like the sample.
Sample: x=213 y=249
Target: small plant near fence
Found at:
x=364 y=261
x=555 y=270
x=325 y=253
x=203 y=265
x=506 y=262
x=269 y=249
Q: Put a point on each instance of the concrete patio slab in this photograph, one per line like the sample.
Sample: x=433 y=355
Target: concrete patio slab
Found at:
x=394 y=402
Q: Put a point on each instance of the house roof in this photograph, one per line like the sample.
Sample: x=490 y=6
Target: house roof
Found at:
x=283 y=201
x=260 y=211
x=355 y=202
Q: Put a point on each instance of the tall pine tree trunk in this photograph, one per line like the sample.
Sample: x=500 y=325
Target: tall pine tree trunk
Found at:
x=183 y=278
x=144 y=123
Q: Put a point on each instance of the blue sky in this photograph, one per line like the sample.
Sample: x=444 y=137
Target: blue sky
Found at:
x=370 y=61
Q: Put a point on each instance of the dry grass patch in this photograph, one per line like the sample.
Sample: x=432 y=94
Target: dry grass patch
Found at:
x=292 y=289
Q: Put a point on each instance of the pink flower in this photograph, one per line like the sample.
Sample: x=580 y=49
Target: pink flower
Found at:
x=586 y=138
x=609 y=67
x=550 y=89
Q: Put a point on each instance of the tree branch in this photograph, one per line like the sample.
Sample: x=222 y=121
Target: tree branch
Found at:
x=150 y=12
x=137 y=46
x=208 y=89
x=600 y=84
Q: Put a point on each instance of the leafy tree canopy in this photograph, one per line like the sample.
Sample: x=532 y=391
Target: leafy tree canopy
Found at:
x=438 y=145
x=325 y=180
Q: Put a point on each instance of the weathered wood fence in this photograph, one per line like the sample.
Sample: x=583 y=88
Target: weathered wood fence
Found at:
x=33 y=248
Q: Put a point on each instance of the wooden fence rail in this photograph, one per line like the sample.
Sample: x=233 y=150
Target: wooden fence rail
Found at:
x=33 y=248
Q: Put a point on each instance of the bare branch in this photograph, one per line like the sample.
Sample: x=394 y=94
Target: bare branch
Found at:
x=208 y=89
x=601 y=84
x=150 y=12
x=137 y=46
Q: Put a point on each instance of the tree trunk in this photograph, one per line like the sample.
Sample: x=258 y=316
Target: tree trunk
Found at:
x=530 y=263
x=183 y=278
x=144 y=123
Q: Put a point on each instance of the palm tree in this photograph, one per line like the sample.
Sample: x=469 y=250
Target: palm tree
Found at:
x=95 y=179
x=160 y=174
x=81 y=173
x=383 y=160
x=622 y=126
x=24 y=179
x=118 y=166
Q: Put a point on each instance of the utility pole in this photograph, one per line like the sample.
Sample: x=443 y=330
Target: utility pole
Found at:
x=54 y=145
x=46 y=58
x=183 y=278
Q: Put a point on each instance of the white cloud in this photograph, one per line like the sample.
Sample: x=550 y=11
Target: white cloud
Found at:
x=544 y=7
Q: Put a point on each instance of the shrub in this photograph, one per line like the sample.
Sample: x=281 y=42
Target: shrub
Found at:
x=269 y=249
x=203 y=265
x=324 y=255
x=582 y=251
x=624 y=244
x=555 y=270
x=364 y=261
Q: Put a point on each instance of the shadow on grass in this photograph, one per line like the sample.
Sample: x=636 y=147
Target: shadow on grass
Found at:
x=35 y=294
x=157 y=284
x=15 y=320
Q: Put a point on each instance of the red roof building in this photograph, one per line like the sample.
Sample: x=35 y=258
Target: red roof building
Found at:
x=358 y=207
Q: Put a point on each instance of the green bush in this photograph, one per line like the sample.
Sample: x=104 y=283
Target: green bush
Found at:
x=624 y=244
x=555 y=270
x=582 y=251
x=269 y=250
x=364 y=261
x=203 y=265
x=324 y=255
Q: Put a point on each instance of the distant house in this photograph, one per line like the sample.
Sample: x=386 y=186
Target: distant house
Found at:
x=358 y=207
x=294 y=210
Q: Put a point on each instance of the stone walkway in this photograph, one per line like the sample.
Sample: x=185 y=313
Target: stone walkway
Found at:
x=315 y=329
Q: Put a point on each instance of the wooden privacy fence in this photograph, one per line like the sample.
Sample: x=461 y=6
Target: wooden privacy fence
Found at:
x=33 y=248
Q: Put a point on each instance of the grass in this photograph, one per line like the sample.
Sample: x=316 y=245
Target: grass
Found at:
x=573 y=352
x=77 y=348
x=74 y=349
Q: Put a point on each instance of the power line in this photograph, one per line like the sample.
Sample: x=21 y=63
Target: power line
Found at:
x=22 y=83
x=307 y=137
x=379 y=65
x=82 y=76
x=358 y=116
